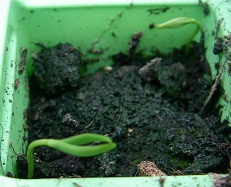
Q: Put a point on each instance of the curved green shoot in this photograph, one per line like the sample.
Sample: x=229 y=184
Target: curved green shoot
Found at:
x=178 y=22
x=72 y=146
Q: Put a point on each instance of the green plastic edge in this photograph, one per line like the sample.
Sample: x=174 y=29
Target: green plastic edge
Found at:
x=200 y=180
x=182 y=181
x=69 y=3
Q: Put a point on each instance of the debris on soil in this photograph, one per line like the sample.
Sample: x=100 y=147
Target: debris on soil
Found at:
x=22 y=60
x=149 y=106
x=157 y=11
x=221 y=181
x=16 y=83
x=205 y=5
x=133 y=43
x=218 y=46
x=147 y=168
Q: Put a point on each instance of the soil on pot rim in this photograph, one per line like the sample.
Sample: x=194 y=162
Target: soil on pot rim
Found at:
x=149 y=106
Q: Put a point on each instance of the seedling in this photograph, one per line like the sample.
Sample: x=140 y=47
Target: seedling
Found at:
x=181 y=21
x=73 y=146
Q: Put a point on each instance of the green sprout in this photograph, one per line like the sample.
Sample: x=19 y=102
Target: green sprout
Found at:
x=73 y=145
x=178 y=22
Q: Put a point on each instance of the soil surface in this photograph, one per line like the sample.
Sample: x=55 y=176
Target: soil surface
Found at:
x=149 y=106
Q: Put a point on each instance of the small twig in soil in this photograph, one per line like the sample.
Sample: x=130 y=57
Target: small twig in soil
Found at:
x=211 y=93
x=22 y=61
x=89 y=124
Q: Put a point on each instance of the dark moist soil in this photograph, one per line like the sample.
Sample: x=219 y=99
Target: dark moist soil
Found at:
x=150 y=110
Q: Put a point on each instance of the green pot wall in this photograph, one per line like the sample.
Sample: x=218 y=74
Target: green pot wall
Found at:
x=82 y=23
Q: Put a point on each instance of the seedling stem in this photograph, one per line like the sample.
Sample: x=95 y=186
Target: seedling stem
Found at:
x=178 y=22
x=72 y=146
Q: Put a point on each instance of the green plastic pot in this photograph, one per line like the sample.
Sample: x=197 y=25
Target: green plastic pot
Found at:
x=100 y=25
